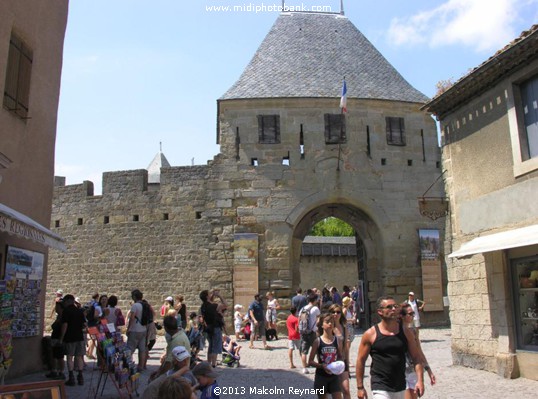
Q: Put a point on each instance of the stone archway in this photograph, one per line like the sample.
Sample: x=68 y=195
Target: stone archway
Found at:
x=368 y=241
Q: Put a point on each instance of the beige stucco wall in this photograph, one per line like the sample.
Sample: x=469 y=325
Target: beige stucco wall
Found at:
x=26 y=184
x=487 y=195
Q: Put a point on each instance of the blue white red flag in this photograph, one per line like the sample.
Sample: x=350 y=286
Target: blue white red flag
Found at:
x=343 y=99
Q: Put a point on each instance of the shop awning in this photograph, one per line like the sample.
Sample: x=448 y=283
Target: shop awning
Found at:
x=13 y=222
x=495 y=242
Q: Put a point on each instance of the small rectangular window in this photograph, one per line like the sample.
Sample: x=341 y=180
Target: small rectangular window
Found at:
x=18 y=73
x=57 y=223
x=409 y=162
x=198 y=215
x=106 y=220
x=395 y=130
x=383 y=161
x=254 y=161
x=165 y=216
x=335 y=128
x=529 y=100
x=136 y=218
x=80 y=221
x=269 y=129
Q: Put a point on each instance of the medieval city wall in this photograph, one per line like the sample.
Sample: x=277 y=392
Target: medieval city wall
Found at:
x=159 y=241
x=191 y=248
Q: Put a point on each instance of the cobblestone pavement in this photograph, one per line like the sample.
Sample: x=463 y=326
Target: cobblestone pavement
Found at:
x=261 y=369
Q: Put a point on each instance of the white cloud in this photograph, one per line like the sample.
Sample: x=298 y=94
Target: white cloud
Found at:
x=483 y=25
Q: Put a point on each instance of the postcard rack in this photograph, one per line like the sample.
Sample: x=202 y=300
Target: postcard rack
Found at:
x=114 y=360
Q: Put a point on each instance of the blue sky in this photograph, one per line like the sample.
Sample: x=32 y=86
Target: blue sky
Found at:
x=136 y=73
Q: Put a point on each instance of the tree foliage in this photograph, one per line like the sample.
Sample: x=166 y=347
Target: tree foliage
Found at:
x=332 y=227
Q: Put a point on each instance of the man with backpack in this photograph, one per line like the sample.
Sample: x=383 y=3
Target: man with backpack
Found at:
x=137 y=327
x=307 y=327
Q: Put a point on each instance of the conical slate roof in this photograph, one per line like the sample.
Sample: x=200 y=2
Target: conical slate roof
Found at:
x=308 y=55
x=154 y=168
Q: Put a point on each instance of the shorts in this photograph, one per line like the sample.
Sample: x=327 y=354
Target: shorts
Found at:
x=331 y=383
x=137 y=340
x=237 y=326
x=294 y=344
x=215 y=341
x=306 y=342
x=270 y=315
x=416 y=322
x=258 y=329
x=58 y=351
x=75 y=348
x=410 y=379
x=388 y=395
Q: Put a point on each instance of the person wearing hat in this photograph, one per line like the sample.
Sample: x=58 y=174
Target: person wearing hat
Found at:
x=207 y=377
x=177 y=338
x=181 y=359
x=417 y=305
x=238 y=320
x=167 y=305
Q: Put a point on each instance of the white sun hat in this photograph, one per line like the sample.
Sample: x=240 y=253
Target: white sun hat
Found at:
x=337 y=367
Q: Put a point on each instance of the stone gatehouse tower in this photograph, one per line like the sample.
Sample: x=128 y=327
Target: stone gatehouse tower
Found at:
x=288 y=159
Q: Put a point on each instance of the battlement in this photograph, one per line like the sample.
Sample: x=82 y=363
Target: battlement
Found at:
x=125 y=181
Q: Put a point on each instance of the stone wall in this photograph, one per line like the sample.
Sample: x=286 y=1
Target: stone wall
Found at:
x=177 y=237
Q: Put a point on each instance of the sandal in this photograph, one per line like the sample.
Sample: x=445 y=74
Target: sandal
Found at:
x=251 y=346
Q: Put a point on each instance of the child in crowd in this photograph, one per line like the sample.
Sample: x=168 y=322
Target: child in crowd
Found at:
x=230 y=346
x=207 y=377
x=238 y=320
x=294 y=337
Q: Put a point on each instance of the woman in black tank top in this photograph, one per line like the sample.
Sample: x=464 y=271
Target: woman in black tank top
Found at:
x=328 y=349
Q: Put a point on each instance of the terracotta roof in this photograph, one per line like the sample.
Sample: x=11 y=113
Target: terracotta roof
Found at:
x=309 y=54
x=505 y=61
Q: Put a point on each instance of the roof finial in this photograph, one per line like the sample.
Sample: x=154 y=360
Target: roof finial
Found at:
x=283 y=4
x=160 y=146
x=342 y=7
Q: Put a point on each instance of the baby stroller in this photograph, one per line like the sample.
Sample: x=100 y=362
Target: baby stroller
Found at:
x=230 y=353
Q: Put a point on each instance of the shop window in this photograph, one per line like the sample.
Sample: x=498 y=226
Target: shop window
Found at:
x=18 y=73
x=395 y=128
x=525 y=282
x=269 y=129
x=335 y=128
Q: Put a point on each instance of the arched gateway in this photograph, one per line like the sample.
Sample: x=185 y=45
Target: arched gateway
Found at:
x=289 y=156
x=368 y=242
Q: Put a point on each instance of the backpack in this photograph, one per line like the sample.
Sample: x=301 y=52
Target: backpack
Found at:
x=147 y=314
x=304 y=321
x=89 y=312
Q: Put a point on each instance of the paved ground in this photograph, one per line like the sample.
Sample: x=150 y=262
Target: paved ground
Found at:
x=269 y=369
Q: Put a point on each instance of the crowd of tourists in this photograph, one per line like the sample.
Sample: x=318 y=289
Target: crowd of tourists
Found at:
x=320 y=325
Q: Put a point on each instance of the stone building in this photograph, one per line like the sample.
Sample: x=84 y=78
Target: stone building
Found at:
x=31 y=47
x=489 y=123
x=288 y=159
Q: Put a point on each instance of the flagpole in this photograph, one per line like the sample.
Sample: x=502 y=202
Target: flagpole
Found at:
x=342 y=106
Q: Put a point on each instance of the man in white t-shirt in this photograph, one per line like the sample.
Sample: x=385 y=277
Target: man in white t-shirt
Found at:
x=417 y=305
x=136 y=332
x=308 y=339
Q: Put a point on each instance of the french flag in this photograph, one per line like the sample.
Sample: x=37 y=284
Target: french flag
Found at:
x=343 y=99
